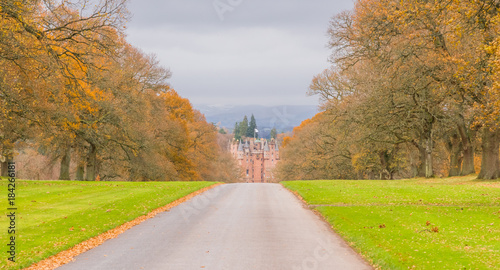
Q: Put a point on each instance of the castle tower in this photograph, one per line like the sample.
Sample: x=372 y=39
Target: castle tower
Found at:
x=257 y=158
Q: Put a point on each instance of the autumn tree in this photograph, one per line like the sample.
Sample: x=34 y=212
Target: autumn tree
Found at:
x=408 y=76
x=57 y=50
x=404 y=52
x=315 y=151
x=479 y=21
x=71 y=86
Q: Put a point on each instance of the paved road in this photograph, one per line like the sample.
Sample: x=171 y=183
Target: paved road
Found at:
x=233 y=226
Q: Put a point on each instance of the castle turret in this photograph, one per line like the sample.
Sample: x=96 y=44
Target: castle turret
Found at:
x=266 y=150
x=240 y=150
x=257 y=158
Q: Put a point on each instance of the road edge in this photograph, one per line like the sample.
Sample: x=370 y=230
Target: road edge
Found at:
x=330 y=226
x=67 y=256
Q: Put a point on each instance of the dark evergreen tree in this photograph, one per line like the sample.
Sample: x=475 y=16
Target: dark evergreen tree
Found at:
x=237 y=133
x=252 y=127
x=244 y=126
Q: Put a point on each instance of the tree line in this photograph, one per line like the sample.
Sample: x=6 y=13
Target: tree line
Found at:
x=74 y=89
x=245 y=129
x=413 y=91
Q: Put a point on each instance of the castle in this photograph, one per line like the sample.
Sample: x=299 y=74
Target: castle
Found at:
x=257 y=158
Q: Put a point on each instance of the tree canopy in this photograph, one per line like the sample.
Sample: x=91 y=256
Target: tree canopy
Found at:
x=412 y=91
x=245 y=129
x=72 y=87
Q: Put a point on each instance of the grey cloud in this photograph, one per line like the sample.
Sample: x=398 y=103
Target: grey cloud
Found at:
x=261 y=49
x=249 y=13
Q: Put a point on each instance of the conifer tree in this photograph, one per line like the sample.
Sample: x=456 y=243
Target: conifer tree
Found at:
x=244 y=126
x=237 y=133
x=252 y=127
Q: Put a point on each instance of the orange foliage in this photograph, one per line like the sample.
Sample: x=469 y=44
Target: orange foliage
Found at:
x=73 y=84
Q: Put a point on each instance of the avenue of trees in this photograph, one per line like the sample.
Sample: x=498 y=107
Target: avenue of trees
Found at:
x=72 y=88
x=413 y=91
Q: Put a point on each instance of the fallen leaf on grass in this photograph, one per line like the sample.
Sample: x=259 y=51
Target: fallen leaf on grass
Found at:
x=66 y=256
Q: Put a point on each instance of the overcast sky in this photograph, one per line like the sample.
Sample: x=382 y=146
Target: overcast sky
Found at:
x=237 y=52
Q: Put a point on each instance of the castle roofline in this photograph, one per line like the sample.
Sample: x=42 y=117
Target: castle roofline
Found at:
x=266 y=146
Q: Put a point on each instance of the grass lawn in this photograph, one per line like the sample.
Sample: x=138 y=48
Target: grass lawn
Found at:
x=55 y=215
x=450 y=223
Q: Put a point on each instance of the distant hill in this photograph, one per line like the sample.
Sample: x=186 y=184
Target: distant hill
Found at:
x=284 y=117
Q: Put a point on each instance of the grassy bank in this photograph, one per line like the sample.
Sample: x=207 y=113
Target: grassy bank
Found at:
x=451 y=223
x=55 y=215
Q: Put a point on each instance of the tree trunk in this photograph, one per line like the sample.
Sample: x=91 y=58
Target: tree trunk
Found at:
x=425 y=168
x=490 y=168
x=91 y=164
x=5 y=168
x=8 y=155
x=65 y=163
x=385 y=164
x=467 y=149
x=413 y=166
x=468 y=161
x=421 y=166
x=80 y=166
x=455 y=150
x=429 y=170
x=80 y=170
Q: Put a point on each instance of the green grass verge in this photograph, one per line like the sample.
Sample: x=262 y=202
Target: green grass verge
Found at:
x=451 y=223
x=53 y=216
